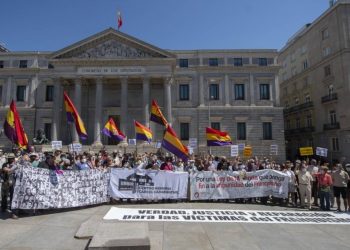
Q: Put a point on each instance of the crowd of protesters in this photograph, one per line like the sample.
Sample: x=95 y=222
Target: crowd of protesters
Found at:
x=312 y=184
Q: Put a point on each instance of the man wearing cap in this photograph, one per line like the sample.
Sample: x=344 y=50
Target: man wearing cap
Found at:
x=340 y=180
x=305 y=182
x=7 y=187
x=325 y=182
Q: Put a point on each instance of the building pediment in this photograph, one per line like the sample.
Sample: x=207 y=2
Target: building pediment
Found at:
x=111 y=44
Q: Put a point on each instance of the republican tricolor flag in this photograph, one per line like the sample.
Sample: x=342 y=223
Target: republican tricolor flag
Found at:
x=13 y=128
x=73 y=116
x=173 y=144
x=157 y=115
x=142 y=132
x=217 y=138
x=112 y=131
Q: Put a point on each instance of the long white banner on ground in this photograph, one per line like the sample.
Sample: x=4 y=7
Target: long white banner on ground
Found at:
x=38 y=188
x=227 y=216
x=148 y=184
x=234 y=185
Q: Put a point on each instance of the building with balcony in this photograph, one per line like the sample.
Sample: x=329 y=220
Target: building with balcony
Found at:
x=315 y=84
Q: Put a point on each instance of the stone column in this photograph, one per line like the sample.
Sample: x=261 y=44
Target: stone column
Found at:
x=32 y=89
x=56 y=110
x=8 y=92
x=98 y=111
x=201 y=90
x=227 y=90
x=252 y=90
x=167 y=90
x=77 y=104
x=124 y=105
x=145 y=91
x=277 y=91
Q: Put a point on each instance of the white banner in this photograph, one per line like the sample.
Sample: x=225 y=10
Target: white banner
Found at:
x=38 y=188
x=234 y=150
x=273 y=149
x=232 y=185
x=192 y=142
x=148 y=184
x=226 y=216
x=321 y=151
x=56 y=145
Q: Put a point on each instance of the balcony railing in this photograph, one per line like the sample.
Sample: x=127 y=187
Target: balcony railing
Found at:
x=328 y=98
x=299 y=130
x=331 y=126
x=299 y=107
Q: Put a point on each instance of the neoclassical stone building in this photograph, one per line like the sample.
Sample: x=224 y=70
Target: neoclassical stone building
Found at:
x=112 y=74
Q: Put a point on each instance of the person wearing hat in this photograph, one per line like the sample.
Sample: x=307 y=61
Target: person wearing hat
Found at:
x=8 y=171
x=325 y=182
x=49 y=162
x=33 y=158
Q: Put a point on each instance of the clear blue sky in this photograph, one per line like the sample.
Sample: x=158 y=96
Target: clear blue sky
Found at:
x=49 y=25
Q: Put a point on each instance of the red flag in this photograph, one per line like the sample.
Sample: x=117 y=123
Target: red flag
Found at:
x=120 y=20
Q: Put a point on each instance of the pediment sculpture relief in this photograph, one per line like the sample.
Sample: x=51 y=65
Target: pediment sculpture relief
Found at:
x=114 y=49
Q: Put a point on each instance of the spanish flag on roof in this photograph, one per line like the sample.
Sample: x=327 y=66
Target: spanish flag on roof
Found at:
x=112 y=131
x=142 y=133
x=173 y=144
x=217 y=138
x=157 y=115
x=13 y=128
x=73 y=116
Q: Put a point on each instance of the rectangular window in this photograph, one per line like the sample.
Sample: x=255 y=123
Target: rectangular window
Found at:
x=213 y=62
x=183 y=63
x=241 y=131
x=297 y=123
x=49 y=93
x=215 y=125
x=325 y=34
x=264 y=91
x=184 y=131
x=307 y=98
x=335 y=144
x=326 y=51
x=1 y=64
x=309 y=121
x=267 y=131
x=21 y=93
x=263 y=61
x=237 y=62
x=327 y=70
x=184 y=92
x=23 y=63
x=305 y=64
x=214 y=91
x=47 y=130
x=333 y=117
x=296 y=100
x=239 y=91
x=288 y=124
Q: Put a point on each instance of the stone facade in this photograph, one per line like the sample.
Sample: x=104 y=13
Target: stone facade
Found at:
x=114 y=74
x=315 y=84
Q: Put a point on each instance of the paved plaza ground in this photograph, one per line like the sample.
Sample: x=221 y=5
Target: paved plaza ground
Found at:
x=56 y=230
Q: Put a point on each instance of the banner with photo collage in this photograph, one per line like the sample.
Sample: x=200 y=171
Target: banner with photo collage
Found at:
x=38 y=188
